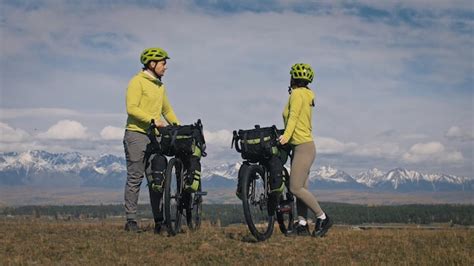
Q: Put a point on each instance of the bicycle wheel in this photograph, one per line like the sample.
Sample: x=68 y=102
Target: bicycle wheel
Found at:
x=194 y=211
x=173 y=196
x=286 y=206
x=255 y=203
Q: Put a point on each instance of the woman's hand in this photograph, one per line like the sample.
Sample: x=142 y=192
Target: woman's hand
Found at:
x=282 y=140
x=160 y=124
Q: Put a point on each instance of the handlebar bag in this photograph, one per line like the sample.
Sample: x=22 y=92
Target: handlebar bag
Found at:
x=257 y=144
x=181 y=140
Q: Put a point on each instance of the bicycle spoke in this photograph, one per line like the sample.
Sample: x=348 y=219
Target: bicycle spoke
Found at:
x=255 y=203
x=173 y=195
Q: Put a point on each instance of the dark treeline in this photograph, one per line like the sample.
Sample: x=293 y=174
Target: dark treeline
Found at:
x=226 y=214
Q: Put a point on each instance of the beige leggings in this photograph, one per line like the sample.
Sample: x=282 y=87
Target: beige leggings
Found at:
x=303 y=157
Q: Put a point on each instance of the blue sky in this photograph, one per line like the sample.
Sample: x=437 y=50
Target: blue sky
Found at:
x=394 y=81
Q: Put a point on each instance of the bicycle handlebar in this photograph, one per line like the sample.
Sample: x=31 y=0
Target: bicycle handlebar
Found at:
x=236 y=138
x=277 y=134
x=151 y=133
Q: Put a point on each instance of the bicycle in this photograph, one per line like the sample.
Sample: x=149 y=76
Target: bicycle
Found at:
x=178 y=201
x=259 y=204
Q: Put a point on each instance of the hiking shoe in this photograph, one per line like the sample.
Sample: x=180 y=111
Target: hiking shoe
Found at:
x=131 y=226
x=157 y=229
x=322 y=226
x=299 y=230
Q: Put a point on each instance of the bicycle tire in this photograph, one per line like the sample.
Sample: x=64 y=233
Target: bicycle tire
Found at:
x=194 y=212
x=173 y=196
x=255 y=203
x=286 y=205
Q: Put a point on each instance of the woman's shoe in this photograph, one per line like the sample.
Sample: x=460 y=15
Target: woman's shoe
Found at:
x=322 y=226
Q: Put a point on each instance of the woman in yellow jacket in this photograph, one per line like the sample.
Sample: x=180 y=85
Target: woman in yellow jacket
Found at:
x=298 y=133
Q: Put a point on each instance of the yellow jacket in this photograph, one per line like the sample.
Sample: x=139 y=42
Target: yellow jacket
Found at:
x=297 y=116
x=146 y=100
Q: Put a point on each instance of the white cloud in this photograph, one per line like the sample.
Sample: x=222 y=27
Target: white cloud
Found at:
x=431 y=152
x=388 y=150
x=429 y=148
x=456 y=132
x=112 y=133
x=13 y=113
x=332 y=146
x=16 y=140
x=221 y=138
x=380 y=150
x=423 y=4
x=9 y=134
x=414 y=136
x=65 y=129
x=452 y=157
x=23 y=146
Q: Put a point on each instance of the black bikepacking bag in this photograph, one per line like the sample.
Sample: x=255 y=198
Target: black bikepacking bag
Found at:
x=256 y=144
x=182 y=140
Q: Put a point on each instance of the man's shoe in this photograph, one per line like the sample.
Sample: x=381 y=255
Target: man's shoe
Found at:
x=322 y=226
x=131 y=226
x=160 y=227
x=299 y=230
x=157 y=229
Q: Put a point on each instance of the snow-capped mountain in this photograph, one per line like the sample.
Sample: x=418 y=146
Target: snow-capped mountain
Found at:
x=370 y=178
x=228 y=171
x=74 y=169
x=400 y=179
x=61 y=169
x=327 y=177
x=221 y=176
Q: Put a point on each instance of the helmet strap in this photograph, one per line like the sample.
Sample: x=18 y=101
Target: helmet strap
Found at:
x=151 y=70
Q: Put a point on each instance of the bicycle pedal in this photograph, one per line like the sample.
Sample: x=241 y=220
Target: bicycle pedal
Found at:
x=201 y=193
x=284 y=209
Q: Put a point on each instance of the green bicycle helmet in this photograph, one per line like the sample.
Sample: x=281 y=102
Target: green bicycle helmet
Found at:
x=302 y=71
x=153 y=54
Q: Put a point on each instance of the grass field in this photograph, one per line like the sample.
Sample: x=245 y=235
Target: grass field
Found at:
x=46 y=242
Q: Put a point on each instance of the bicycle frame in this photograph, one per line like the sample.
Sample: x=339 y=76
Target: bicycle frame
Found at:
x=183 y=206
x=266 y=193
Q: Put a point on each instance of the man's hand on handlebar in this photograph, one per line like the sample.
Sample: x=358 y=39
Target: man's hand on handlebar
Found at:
x=157 y=124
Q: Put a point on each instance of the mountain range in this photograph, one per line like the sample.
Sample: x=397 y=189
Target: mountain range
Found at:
x=73 y=169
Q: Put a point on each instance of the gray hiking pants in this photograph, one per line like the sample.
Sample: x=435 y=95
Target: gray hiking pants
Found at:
x=303 y=157
x=135 y=144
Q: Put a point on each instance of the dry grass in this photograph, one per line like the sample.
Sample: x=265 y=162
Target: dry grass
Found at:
x=39 y=241
x=24 y=195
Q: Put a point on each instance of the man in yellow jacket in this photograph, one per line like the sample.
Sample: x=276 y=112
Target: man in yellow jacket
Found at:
x=145 y=100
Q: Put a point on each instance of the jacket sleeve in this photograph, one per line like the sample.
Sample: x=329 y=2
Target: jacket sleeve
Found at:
x=167 y=111
x=133 y=98
x=296 y=104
